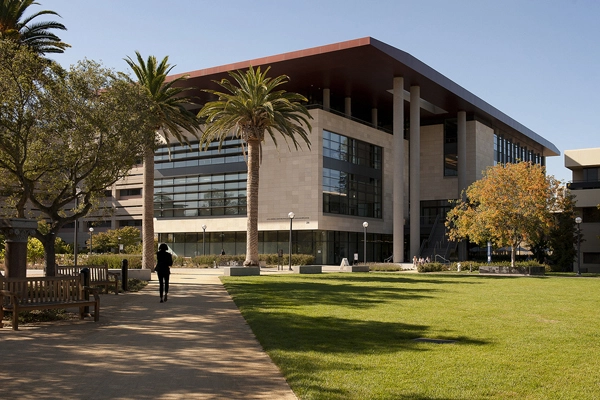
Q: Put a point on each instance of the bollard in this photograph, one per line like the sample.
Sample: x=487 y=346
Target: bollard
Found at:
x=85 y=277
x=124 y=275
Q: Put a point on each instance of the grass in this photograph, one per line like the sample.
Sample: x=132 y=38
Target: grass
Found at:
x=351 y=336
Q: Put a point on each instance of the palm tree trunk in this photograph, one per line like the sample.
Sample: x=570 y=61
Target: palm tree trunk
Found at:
x=252 y=204
x=148 y=210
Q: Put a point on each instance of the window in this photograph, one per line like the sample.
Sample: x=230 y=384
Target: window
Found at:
x=218 y=194
x=130 y=222
x=450 y=148
x=591 y=174
x=591 y=258
x=351 y=194
x=130 y=192
x=183 y=155
x=590 y=214
x=353 y=151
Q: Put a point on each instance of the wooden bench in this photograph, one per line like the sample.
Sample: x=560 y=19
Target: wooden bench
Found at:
x=100 y=275
x=43 y=293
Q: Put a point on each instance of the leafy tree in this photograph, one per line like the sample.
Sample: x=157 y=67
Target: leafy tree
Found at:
x=253 y=106
x=510 y=204
x=171 y=120
x=62 y=247
x=64 y=135
x=35 y=250
x=36 y=35
x=105 y=241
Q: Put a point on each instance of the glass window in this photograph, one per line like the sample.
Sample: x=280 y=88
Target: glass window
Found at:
x=450 y=148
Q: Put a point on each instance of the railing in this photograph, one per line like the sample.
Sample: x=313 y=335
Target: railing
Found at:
x=578 y=185
x=445 y=260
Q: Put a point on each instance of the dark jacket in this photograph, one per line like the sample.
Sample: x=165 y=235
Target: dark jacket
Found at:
x=163 y=262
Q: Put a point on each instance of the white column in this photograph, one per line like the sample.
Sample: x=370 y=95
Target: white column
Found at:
x=326 y=99
x=374 y=120
x=348 y=106
x=415 y=171
x=398 y=154
x=462 y=151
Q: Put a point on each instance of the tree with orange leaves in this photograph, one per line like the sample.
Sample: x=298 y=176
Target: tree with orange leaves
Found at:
x=512 y=203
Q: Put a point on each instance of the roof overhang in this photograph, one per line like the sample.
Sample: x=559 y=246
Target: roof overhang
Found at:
x=363 y=69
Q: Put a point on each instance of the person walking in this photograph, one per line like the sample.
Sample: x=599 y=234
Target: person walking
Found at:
x=164 y=260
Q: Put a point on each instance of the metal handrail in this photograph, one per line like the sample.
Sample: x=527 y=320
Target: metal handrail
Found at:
x=445 y=260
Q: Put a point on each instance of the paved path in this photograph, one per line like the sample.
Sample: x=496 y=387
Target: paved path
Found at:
x=195 y=346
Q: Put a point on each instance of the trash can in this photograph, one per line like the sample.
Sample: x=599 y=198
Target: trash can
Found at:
x=86 y=278
x=124 y=275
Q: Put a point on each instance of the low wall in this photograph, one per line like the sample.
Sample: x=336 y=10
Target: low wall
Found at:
x=241 y=271
x=355 y=268
x=307 y=269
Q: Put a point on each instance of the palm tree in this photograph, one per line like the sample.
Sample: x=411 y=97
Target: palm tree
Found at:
x=36 y=36
x=172 y=120
x=249 y=110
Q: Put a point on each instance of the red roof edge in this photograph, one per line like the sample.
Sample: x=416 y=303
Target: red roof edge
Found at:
x=365 y=41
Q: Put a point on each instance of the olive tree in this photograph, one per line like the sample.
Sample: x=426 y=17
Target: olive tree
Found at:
x=65 y=136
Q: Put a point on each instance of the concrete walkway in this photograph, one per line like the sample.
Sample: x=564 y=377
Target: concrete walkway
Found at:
x=194 y=346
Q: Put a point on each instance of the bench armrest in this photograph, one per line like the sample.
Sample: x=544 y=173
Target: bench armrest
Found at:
x=93 y=290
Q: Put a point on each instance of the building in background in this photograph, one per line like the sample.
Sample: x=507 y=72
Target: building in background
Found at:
x=392 y=141
x=585 y=186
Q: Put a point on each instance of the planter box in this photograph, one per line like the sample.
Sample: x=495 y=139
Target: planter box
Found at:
x=356 y=268
x=494 y=269
x=241 y=271
x=307 y=269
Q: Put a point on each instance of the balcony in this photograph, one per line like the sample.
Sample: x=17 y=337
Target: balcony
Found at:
x=583 y=185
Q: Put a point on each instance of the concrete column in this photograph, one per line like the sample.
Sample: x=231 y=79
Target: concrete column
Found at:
x=348 y=106
x=415 y=171
x=326 y=99
x=462 y=151
x=398 y=174
x=374 y=120
x=16 y=231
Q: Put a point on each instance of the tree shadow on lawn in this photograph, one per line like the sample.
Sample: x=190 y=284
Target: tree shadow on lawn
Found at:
x=341 y=290
x=285 y=294
x=326 y=334
x=310 y=350
x=392 y=277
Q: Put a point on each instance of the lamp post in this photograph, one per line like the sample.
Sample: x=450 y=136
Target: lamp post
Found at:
x=291 y=216
x=365 y=225
x=75 y=244
x=91 y=238
x=578 y=221
x=204 y=240
x=119 y=243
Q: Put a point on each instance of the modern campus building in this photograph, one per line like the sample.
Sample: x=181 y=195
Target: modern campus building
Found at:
x=585 y=186
x=392 y=141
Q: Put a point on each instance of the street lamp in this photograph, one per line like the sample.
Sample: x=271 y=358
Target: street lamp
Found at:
x=291 y=216
x=119 y=243
x=91 y=237
x=203 y=239
x=365 y=225
x=578 y=221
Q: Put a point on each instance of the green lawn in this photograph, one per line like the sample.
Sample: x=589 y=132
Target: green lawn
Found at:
x=351 y=336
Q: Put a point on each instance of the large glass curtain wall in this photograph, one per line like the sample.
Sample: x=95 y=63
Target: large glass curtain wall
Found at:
x=351 y=176
x=190 y=187
x=328 y=247
x=506 y=150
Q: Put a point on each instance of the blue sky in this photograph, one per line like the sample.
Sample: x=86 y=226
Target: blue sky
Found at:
x=536 y=60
